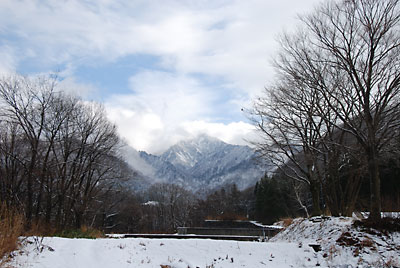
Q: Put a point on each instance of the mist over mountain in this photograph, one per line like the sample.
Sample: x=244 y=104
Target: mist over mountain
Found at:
x=201 y=163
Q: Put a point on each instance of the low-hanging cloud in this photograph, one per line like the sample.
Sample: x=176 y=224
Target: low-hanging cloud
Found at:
x=158 y=111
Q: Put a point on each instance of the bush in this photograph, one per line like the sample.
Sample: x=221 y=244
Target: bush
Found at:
x=83 y=232
x=11 y=227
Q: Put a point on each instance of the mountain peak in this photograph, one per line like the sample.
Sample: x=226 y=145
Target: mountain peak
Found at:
x=200 y=142
x=186 y=154
x=206 y=162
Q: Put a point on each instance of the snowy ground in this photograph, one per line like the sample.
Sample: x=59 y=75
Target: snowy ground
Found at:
x=177 y=253
x=341 y=246
x=341 y=243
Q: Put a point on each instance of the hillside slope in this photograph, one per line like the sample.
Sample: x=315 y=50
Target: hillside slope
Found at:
x=206 y=162
x=345 y=241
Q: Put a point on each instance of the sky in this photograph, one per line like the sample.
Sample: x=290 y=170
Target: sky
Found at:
x=165 y=70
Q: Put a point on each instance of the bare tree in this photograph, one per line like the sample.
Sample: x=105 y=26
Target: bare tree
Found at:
x=58 y=152
x=348 y=53
x=11 y=164
x=173 y=207
x=290 y=122
x=25 y=102
x=362 y=38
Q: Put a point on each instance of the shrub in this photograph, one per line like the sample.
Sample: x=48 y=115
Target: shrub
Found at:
x=11 y=227
x=287 y=221
x=83 y=232
x=40 y=228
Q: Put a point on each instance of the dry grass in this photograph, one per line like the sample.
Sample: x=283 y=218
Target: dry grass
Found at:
x=83 y=232
x=11 y=227
x=39 y=228
x=287 y=222
x=367 y=242
x=94 y=233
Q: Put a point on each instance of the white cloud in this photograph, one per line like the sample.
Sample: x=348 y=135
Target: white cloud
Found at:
x=230 y=41
x=8 y=60
x=227 y=38
x=149 y=118
x=173 y=97
x=71 y=85
x=240 y=133
x=164 y=108
x=145 y=130
x=141 y=130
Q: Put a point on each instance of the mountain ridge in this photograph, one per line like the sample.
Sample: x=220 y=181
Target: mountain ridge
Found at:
x=205 y=162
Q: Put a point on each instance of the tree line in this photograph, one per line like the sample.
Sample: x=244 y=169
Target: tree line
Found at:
x=331 y=117
x=163 y=207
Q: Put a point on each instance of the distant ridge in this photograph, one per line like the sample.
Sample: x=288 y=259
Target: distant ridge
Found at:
x=205 y=163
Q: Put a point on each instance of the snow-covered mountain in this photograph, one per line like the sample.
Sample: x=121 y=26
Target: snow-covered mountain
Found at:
x=205 y=162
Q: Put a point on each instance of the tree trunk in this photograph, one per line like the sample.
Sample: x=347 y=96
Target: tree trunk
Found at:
x=375 y=185
x=48 y=206
x=60 y=204
x=39 y=199
x=330 y=191
x=29 y=200
x=314 y=188
x=78 y=219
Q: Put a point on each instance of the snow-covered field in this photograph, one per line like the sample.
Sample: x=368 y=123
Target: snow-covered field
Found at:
x=290 y=248
x=149 y=253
